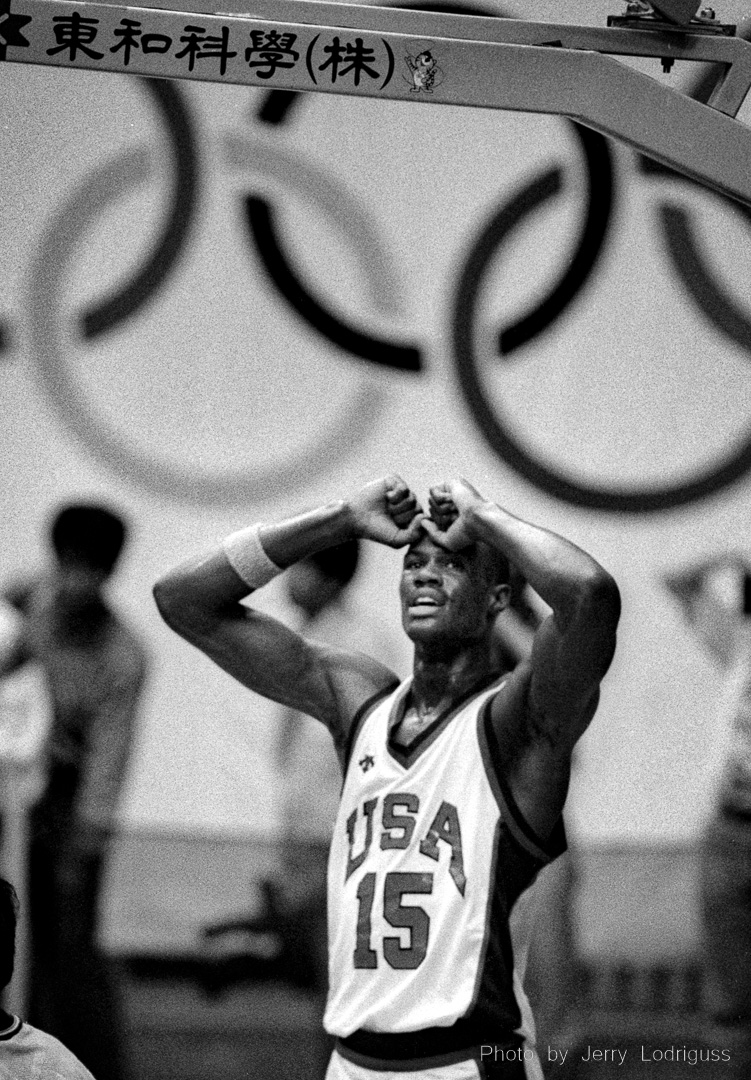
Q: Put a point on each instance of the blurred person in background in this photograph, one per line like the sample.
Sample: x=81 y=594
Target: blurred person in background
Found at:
x=715 y=598
x=94 y=666
x=26 y=1053
x=25 y=719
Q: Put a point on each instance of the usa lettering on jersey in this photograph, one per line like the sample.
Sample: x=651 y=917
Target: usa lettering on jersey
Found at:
x=398 y=812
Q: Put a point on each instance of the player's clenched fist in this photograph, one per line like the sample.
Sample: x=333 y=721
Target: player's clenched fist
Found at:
x=451 y=505
x=387 y=511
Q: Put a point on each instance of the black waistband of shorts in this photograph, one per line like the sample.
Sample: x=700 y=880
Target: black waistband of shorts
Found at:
x=426 y=1043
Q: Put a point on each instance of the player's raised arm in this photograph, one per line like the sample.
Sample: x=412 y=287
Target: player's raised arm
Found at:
x=201 y=601
x=574 y=646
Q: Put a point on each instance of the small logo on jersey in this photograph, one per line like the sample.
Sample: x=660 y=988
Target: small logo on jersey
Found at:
x=366 y=762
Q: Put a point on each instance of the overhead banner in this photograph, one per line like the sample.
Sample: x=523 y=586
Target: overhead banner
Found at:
x=465 y=62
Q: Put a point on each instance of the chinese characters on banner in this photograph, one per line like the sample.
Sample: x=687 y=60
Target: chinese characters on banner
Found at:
x=168 y=44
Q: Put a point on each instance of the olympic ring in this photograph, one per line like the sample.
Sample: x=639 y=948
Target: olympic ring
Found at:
x=275 y=108
x=108 y=184
x=242 y=154
x=600 y=202
x=265 y=237
x=156 y=270
x=158 y=267
x=701 y=285
x=493 y=427
x=348 y=215
x=277 y=105
x=534 y=195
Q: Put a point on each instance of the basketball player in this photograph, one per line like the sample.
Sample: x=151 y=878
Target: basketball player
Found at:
x=454 y=781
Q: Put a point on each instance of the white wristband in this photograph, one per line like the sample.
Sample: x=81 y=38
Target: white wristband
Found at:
x=247 y=557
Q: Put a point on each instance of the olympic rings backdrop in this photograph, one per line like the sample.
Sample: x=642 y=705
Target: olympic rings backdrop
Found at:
x=220 y=305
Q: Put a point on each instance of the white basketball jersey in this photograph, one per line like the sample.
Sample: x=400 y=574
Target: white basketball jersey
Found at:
x=418 y=922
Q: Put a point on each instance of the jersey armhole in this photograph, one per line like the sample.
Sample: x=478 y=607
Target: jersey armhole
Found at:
x=544 y=851
x=359 y=719
x=13 y=1030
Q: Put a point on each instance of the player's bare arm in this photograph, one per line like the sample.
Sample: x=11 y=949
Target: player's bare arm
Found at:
x=205 y=601
x=551 y=697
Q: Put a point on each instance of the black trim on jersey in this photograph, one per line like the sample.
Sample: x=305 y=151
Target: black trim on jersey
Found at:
x=518 y=856
x=543 y=850
x=423 y=1049
x=407 y=755
x=494 y=1009
x=407 y=1065
x=359 y=719
x=14 y=1029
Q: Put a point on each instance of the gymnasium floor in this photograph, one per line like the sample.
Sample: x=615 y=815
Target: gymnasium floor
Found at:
x=176 y=1033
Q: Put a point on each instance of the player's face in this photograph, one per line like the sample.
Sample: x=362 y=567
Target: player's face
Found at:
x=445 y=595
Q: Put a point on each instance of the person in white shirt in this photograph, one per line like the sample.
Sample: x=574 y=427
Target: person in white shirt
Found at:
x=715 y=598
x=26 y=1053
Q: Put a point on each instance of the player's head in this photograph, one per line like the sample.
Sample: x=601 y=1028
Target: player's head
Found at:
x=315 y=582
x=87 y=541
x=452 y=598
x=8 y=917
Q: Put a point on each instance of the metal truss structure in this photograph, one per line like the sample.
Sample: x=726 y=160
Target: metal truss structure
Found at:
x=423 y=56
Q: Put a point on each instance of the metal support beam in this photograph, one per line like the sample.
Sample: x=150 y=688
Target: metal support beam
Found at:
x=424 y=57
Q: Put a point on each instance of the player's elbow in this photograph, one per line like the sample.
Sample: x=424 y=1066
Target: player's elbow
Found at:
x=601 y=599
x=176 y=603
x=168 y=597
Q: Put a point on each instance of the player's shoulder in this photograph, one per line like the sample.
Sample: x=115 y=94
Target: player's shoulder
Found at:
x=356 y=676
x=512 y=693
x=51 y=1059
x=359 y=684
